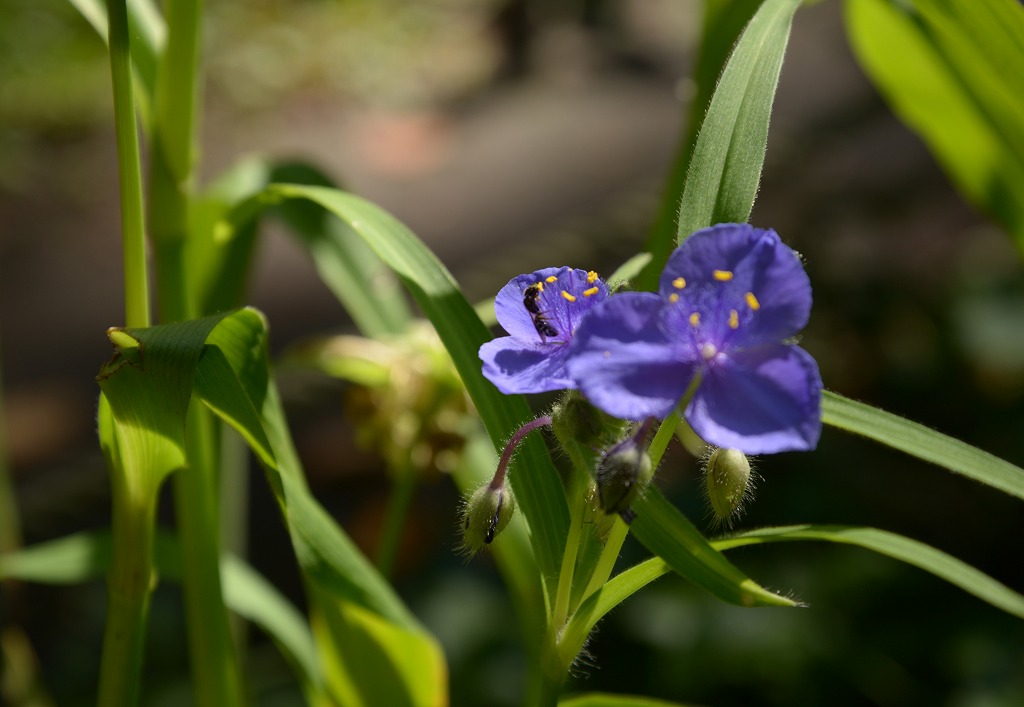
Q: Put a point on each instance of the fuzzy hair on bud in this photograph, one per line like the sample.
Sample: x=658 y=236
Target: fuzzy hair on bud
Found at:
x=485 y=515
x=728 y=482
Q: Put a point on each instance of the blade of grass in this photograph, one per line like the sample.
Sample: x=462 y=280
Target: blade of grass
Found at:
x=923 y=443
x=896 y=546
x=725 y=168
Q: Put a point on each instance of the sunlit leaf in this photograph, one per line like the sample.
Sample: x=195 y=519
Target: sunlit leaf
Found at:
x=957 y=84
x=534 y=479
x=725 y=169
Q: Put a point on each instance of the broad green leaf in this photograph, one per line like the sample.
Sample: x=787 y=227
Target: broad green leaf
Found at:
x=78 y=558
x=725 y=168
x=921 y=442
x=896 y=546
x=224 y=357
x=148 y=384
x=667 y=533
x=597 y=699
x=534 y=480
x=723 y=22
x=957 y=83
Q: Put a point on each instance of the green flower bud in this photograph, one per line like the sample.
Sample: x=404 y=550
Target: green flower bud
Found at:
x=623 y=472
x=728 y=482
x=486 y=514
x=573 y=418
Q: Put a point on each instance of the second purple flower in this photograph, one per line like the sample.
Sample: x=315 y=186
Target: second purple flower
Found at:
x=729 y=299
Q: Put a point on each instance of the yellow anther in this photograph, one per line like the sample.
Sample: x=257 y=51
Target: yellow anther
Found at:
x=571 y=298
x=591 y=277
x=695 y=319
x=591 y=292
x=752 y=301
x=734 y=319
x=722 y=275
x=679 y=283
x=551 y=278
x=673 y=298
x=539 y=286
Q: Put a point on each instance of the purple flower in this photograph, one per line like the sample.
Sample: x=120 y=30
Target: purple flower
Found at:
x=540 y=311
x=727 y=301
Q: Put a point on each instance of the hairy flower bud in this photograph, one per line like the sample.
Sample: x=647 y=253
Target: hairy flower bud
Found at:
x=624 y=471
x=486 y=514
x=728 y=481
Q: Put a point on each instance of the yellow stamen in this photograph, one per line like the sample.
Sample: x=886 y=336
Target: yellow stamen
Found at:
x=734 y=319
x=679 y=283
x=551 y=278
x=571 y=298
x=539 y=286
x=695 y=319
x=722 y=275
x=752 y=301
x=591 y=277
x=591 y=292
x=673 y=298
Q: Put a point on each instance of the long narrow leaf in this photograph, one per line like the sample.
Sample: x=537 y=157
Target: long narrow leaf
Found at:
x=896 y=546
x=667 y=533
x=923 y=443
x=724 y=20
x=534 y=479
x=725 y=169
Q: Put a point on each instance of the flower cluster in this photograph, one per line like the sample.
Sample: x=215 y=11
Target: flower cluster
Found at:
x=718 y=332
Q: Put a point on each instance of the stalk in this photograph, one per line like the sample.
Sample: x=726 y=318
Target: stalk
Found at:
x=133 y=236
x=130 y=581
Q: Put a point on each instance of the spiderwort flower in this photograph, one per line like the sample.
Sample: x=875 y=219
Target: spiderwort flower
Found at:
x=540 y=311
x=728 y=299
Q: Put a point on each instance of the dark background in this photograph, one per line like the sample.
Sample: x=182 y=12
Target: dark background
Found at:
x=510 y=137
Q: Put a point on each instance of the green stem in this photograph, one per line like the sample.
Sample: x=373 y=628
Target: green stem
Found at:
x=577 y=506
x=402 y=495
x=129 y=586
x=609 y=555
x=216 y=674
x=133 y=236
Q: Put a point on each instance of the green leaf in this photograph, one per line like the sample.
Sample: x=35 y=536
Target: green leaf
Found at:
x=597 y=699
x=896 y=546
x=149 y=383
x=725 y=168
x=534 y=479
x=724 y=20
x=225 y=221
x=957 y=84
x=593 y=608
x=667 y=533
x=923 y=443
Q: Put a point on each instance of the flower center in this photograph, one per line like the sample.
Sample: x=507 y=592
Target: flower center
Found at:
x=708 y=351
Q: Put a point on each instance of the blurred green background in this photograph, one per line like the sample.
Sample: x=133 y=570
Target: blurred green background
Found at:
x=512 y=136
